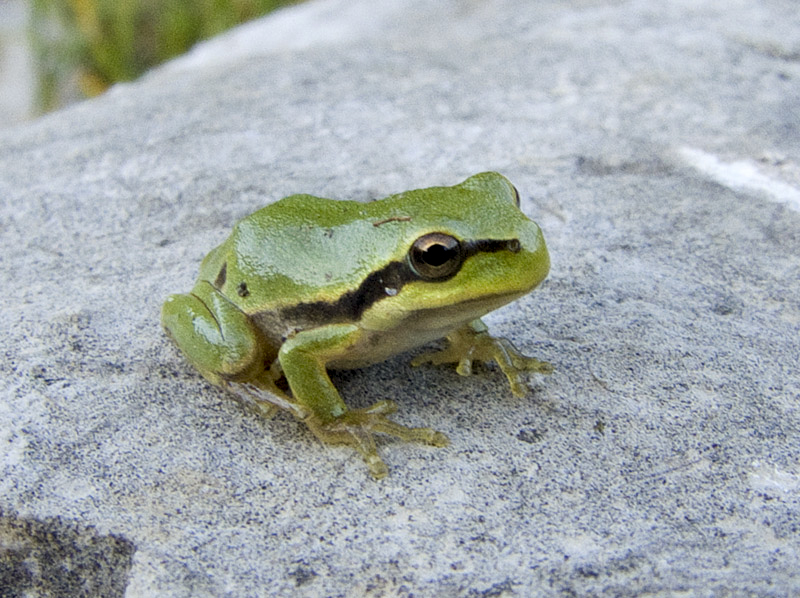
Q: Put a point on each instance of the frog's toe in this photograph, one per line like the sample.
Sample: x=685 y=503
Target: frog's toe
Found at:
x=356 y=428
x=374 y=419
x=516 y=374
x=423 y=435
x=531 y=364
x=436 y=438
x=361 y=439
x=385 y=407
x=377 y=468
x=541 y=367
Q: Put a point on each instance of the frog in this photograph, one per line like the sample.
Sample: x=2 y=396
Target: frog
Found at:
x=308 y=285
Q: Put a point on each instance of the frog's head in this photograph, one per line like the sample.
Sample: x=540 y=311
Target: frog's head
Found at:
x=467 y=249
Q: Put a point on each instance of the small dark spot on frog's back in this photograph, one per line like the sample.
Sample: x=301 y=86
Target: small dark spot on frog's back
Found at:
x=222 y=276
x=242 y=289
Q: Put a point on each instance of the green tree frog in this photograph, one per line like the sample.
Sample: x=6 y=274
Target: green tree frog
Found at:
x=308 y=284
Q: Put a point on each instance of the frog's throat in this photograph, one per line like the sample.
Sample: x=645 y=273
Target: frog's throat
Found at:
x=381 y=284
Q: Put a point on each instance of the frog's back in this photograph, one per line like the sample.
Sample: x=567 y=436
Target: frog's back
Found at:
x=306 y=250
x=301 y=249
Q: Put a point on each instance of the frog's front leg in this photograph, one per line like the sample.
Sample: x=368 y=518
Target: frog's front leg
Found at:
x=303 y=359
x=473 y=342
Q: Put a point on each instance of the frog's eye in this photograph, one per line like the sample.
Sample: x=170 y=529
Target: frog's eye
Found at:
x=436 y=256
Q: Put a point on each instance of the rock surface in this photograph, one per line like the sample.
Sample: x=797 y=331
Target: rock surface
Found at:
x=658 y=146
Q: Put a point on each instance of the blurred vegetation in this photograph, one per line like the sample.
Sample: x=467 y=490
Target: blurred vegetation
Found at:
x=81 y=47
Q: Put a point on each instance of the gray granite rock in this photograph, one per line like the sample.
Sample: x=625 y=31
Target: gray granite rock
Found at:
x=658 y=146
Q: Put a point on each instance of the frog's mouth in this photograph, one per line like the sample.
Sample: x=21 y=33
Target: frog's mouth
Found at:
x=456 y=314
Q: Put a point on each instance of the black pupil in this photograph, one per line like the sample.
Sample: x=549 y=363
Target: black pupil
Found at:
x=438 y=254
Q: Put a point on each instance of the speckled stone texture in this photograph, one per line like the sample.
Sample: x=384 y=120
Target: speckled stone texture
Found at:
x=658 y=146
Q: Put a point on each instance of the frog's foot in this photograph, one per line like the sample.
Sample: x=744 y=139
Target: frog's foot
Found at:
x=474 y=343
x=356 y=427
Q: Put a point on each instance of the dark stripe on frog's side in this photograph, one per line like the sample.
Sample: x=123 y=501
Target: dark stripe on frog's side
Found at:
x=350 y=306
x=383 y=283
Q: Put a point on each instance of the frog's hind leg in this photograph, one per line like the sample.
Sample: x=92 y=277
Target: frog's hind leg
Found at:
x=218 y=338
x=264 y=395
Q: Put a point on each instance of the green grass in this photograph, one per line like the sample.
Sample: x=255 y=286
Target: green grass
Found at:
x=81 y=47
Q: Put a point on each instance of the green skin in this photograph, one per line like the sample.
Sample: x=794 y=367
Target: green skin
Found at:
x=309 y=284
